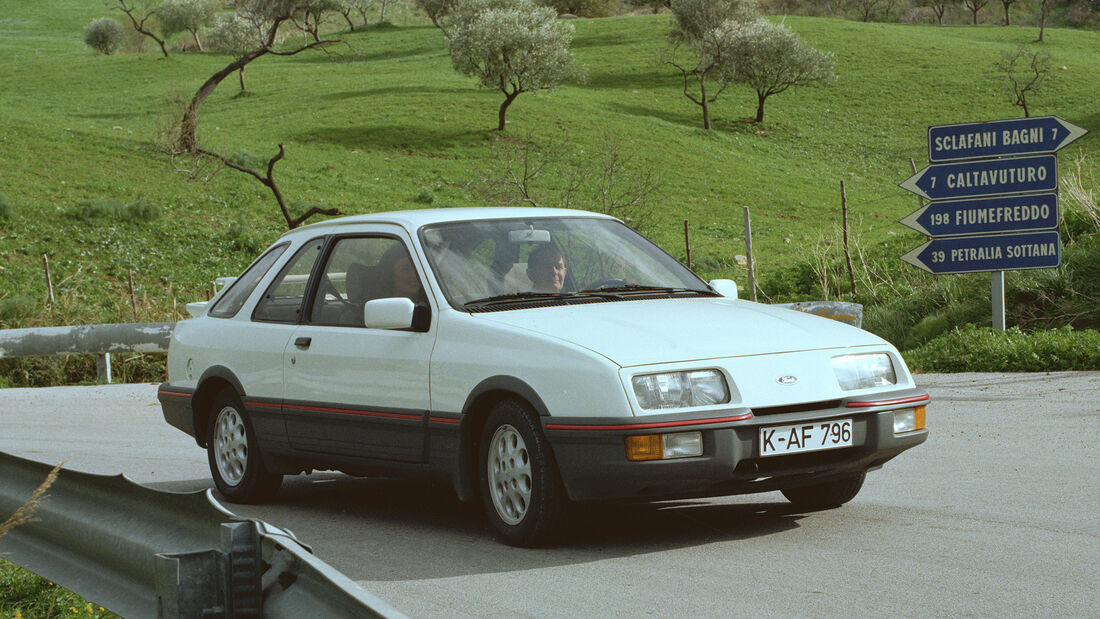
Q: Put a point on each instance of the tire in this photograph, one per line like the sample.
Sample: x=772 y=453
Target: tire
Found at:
x=826 y=495
x=234 y=454
x=520 y=489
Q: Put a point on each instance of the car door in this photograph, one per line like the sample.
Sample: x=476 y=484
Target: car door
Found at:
x=350 y=390
x=252 y=344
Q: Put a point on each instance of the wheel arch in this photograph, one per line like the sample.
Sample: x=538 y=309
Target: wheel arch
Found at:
x=213 y=380
x=487 y=394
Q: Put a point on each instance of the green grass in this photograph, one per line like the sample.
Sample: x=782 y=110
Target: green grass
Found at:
x=978 y=349
x=25 y=595
x=382 y=122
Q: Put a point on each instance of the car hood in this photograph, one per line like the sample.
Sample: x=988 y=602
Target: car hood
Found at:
x=647 y=332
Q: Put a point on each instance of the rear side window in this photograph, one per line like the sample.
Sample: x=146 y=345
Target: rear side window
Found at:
x=283 y=300
x=230 y=303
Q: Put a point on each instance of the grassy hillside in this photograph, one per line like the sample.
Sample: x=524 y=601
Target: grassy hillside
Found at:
x=382 y=122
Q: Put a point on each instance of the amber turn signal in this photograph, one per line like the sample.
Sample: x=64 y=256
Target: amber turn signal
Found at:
x=645 y=447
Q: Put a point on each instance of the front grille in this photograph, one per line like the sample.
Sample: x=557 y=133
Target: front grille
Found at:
x=795 y=408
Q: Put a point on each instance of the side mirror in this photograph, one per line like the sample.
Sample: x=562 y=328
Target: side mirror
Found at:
x=395 y=313
x=724 y=287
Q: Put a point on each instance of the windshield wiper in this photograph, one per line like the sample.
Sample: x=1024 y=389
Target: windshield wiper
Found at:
x=514 y=297
x=643 y=289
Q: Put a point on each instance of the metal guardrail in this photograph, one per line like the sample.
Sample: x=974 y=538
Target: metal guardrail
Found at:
x=146 y=553
x=848 y=313
x=100 y=340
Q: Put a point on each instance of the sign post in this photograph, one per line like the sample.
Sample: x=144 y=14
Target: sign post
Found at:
x=994 y=203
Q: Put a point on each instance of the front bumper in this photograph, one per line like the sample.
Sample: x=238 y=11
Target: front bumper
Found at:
x=591 y=454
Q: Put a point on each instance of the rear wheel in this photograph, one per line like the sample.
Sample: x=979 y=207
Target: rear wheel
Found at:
x=826 y=495
x=521 y=492
x=234 y=454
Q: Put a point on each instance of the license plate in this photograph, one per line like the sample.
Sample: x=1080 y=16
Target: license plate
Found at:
x=831 y=434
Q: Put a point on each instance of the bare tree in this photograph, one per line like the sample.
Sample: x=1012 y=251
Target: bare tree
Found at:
x=1026 y=81
x=268 y=180
x=265 y=17
x=1044 y=12
x=535 y=173
x=939 y=7
x=1006 y=4
x=142 y=25
x=974 y=6
x=345 y=7
x=866 y=8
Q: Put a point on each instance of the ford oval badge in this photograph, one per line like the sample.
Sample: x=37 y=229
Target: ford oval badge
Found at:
x=787 y=380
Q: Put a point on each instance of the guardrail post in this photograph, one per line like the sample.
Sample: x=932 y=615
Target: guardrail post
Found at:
x=103 y=367
x=213 y=583
x=190 y=584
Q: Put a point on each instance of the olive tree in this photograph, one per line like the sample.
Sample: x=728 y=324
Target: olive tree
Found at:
x=437 y=11
x=186 y=16
x=103 y=35
x=701 y=47
x=265 y=18
x=514 y=46
x=583 y=8
x=770 y=59
x=233 y=35
x=694 y=19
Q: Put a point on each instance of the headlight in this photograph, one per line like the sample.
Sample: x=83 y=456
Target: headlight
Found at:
x=864 y=371
x=681 y=389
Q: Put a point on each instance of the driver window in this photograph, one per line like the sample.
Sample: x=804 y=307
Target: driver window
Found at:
x=358 y=270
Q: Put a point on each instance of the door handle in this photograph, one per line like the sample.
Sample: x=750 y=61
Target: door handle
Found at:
x=303 y=342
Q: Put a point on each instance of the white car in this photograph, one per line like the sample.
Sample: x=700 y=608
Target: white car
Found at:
x=529 y=357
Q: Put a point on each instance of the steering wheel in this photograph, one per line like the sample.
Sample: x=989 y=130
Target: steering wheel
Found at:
x=611 y=282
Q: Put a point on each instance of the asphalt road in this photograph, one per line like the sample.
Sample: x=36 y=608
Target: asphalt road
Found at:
x=998 y=514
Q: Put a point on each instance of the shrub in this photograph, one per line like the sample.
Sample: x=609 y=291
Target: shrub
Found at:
x=240 y=236
x=7 y=210
x=89 y=211
x=248 y=159
x=982 y=349
x=14 y=309
x=424 y=197
x=103 y=35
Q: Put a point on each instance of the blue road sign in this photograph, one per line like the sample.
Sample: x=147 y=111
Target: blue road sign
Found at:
x=1001 y=138
x=974 y=179
x=998 y=252
x=986 y=216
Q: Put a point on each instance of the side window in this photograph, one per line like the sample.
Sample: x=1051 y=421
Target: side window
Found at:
x=360 y=269
x=283 y=300
x=230 y=303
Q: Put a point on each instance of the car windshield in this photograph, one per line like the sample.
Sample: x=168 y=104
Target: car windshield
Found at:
x=507 y=263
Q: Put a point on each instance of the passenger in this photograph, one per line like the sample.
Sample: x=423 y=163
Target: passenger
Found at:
x=546 y=269
x=398 y=275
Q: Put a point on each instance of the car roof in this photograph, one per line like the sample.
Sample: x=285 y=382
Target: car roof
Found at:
x=415 y=218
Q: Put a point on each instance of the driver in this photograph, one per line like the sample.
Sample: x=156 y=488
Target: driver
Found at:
x=546 y=269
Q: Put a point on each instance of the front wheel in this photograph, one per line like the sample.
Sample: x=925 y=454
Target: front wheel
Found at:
x=234 y=453
x=826 y=495
x=521 y=492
